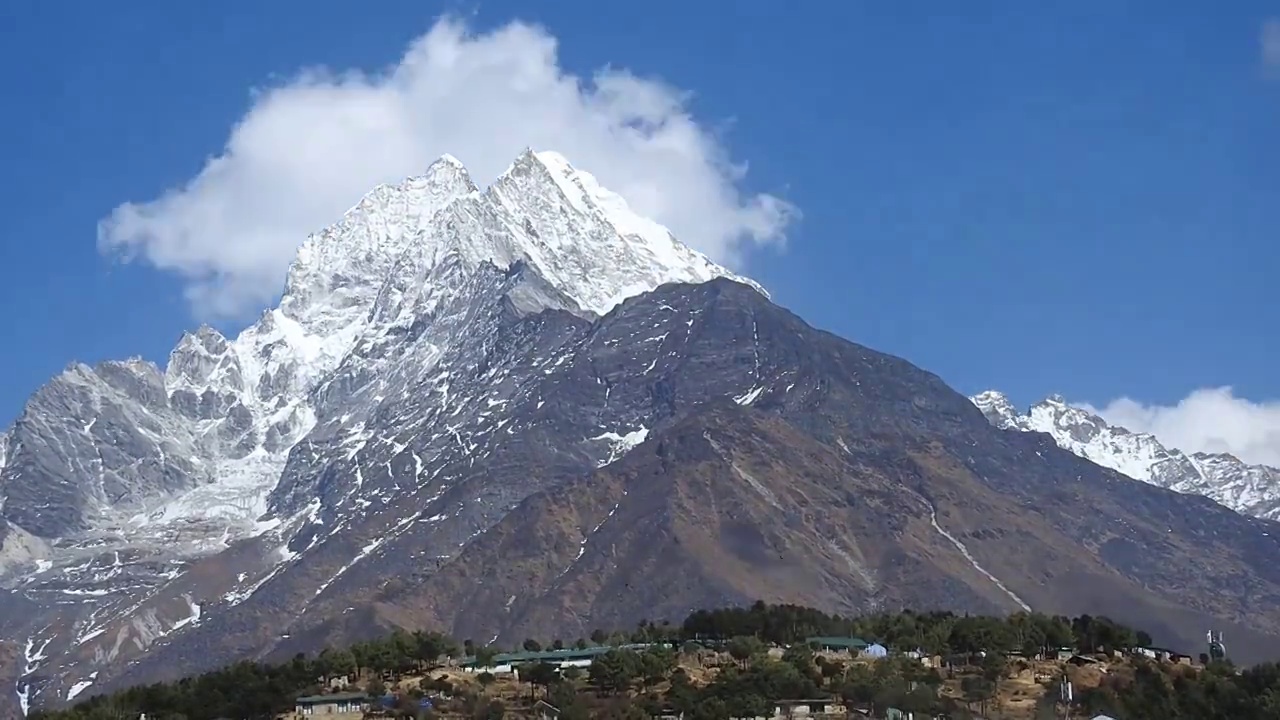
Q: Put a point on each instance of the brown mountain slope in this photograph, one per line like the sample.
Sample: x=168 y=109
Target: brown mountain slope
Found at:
x=853 y=449
x=732 y=505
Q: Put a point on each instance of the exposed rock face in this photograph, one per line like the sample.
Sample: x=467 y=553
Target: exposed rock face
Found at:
x=524 y=410
x=93 y=444
x=1248 y=489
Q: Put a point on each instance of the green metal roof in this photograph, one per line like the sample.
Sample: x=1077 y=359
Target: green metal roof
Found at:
x=840 y=642
x=334 y=698
x=541 y=655
x=515 y=658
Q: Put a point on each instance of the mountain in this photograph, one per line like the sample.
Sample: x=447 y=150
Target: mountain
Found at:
x=526 y=410
x=1248 y=489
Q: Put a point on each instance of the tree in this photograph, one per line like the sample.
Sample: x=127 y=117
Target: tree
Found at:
x=744 y=647
x=1147 y=691
x=598 y=636
x=337 y=662
x=485 y=656
x=655 y=664
x=541 y=675
x=558 y=644
x=532 y=645
x=430 y=646
x=977 y=690
x=682 y=695
x=994 y=667
x=614 y=671
x=799 y=656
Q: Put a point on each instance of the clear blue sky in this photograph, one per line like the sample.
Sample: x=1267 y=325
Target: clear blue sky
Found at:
x=1082 y=200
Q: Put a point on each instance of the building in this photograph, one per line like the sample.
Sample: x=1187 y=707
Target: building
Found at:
x=875 y=651
x=820 y=709
x=338 y=706
x=851 y=645
x=809 y=709
x=337 y=682
x=568 y=657
x=929 y=661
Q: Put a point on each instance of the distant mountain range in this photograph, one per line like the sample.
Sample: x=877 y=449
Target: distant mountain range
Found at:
x=526 y=411
x=1248 y=489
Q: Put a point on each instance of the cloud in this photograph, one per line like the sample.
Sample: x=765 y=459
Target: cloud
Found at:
x=1209 y=420
x=306 y=151
x=1271 y=43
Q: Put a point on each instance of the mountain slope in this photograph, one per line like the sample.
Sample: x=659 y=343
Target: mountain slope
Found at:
x=1248 y=489
x=763 y=436
x=117 y=481
x=457 y=388
x=732 y=504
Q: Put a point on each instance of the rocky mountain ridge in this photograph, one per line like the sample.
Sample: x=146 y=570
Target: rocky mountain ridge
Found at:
x=1248 y=489
x=126 y=469
x=508 y=410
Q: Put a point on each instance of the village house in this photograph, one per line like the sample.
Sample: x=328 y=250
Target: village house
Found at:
x=875 y=651
x=816 y=709
x=338 y=706
x=851 y=645
x=336 y=683
x=927 y=660
x=505 y=663
x=1166 y=655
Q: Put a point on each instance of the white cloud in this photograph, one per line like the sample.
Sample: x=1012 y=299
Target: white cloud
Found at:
x=308 y=150
x=1208 y=420
x=1271 y=43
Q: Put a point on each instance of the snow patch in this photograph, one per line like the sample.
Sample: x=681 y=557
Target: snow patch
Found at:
x=933 y=519
x=192 y=619
x=620 y=445
x=81 y=686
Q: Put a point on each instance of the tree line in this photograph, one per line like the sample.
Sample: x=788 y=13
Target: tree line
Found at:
x=644 y=672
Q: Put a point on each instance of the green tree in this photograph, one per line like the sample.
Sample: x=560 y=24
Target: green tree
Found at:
x=799 y=656
x=655 y=664
x=615 y=670
x=485 y=656
x=541 y=675
x=744 y=647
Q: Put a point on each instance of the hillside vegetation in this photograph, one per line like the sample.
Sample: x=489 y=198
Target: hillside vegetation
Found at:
x=737 y=662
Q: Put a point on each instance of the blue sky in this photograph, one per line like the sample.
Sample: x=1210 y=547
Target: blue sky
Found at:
x=1079 y=200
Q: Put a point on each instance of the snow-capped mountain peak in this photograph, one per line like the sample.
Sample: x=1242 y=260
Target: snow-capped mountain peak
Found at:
x=587 y=239
x=229 y=411
x=997 y=407
x=1248 y=489
x=338 y=271
x=408 y=336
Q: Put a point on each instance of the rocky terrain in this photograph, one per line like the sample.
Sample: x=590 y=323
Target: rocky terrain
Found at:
x=1248 y=489
x=525 y=408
